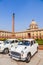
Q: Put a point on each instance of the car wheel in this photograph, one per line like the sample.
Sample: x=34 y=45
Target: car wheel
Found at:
x=28 y=58
x=6 y=51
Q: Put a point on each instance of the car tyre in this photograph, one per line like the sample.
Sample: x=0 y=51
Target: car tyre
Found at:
x=28 y=58
x=6 y=51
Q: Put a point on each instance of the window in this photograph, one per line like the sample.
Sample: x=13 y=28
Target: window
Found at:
x=16 y=41
x=31 y=42
x=12 y=41
x=27 y=43
x=34 y=41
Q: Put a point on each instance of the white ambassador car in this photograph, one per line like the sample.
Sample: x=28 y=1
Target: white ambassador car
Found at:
x=6 y=45
x=24 y=50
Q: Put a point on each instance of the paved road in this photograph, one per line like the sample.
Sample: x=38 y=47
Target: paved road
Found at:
x=37 y=59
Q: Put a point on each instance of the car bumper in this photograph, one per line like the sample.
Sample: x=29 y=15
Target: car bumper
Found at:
x=17 y=58
x=23 y=59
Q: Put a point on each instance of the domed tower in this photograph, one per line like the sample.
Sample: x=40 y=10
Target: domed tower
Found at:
x=33 y=25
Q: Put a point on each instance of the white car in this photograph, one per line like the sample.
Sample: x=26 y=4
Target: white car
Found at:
x=24 y=50
x=6 y=45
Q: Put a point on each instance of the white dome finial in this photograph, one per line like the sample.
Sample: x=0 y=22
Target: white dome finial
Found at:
x=33 y=25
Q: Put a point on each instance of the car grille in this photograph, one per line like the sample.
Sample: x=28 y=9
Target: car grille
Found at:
x=15 y=54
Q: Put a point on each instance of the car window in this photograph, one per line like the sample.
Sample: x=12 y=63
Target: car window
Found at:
x=16 y=41
x=12 y=41
x=34 y=41
x=27 y=43
x=31 y=42
x=6 y=42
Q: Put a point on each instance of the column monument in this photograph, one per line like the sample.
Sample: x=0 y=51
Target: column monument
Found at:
x=13 y=30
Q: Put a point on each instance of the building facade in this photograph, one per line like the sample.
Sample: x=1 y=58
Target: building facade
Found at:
x=5 y=34
x=32 y=32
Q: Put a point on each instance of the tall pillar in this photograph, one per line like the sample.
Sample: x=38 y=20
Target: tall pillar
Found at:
x=13 y=35
x=13 y=22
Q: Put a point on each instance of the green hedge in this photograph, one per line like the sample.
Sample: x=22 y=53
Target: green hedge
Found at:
x=2 y=39
x=40 y=41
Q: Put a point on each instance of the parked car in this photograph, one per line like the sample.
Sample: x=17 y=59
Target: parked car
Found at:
x=6 y=45
x=24 y=50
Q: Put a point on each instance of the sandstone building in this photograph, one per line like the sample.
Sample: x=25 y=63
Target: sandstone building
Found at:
x=32 y=32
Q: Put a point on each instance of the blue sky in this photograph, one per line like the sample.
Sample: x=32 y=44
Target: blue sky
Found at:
x=25 y=11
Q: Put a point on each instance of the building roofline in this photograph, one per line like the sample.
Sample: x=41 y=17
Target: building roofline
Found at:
x=30 y=30
x=5 y=31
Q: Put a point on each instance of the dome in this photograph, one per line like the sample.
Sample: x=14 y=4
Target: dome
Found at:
x=33 y=22
x=33 y=25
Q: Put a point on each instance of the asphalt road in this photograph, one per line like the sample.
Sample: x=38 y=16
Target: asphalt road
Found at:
x=37 y=59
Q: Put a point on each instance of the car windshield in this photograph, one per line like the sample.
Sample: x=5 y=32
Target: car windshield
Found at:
x=27 y=43
x=7 y=41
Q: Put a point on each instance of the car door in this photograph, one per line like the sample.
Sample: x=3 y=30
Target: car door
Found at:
x=7 y=45
x=32 y=47
x=35 y=46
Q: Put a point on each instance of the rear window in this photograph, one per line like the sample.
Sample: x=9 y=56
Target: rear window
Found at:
x=14 y=41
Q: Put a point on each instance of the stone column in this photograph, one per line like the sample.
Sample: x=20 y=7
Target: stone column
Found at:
x=13 y=22
x=13 y=35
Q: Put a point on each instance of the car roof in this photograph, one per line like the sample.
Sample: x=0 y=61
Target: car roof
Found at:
x=29 y=39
